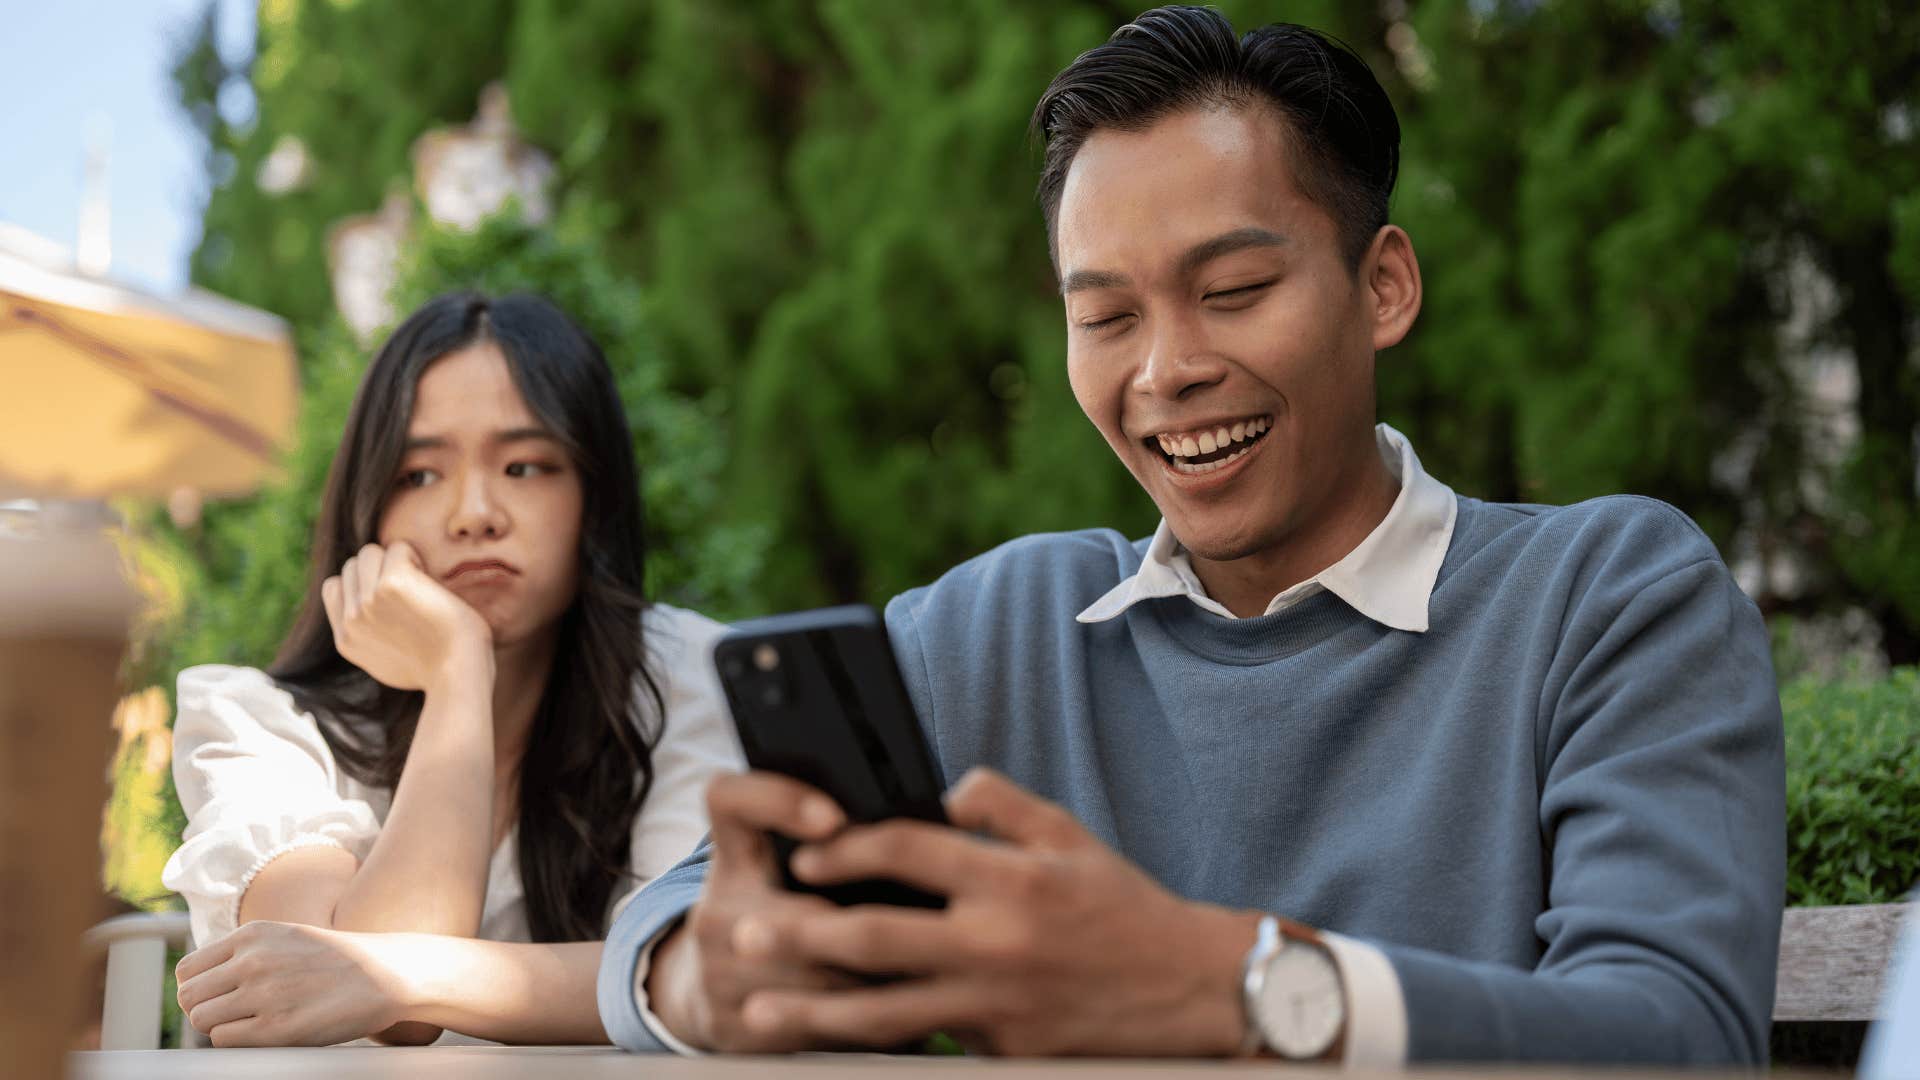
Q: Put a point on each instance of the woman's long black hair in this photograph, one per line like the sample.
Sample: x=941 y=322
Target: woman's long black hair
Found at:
x=588 y=763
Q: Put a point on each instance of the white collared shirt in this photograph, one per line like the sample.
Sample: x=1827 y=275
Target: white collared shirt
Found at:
x=1388 y=578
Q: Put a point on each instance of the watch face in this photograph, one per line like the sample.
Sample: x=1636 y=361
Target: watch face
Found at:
x=1301 y=1004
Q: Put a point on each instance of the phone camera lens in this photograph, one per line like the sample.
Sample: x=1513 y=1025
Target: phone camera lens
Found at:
x=772 y=695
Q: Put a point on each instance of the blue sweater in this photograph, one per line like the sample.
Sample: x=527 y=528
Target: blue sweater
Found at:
x=1559 y=812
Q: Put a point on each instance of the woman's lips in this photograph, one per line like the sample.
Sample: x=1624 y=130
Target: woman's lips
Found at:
x=478 y=570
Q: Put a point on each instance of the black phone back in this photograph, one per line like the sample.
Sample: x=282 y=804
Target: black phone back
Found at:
x=816 y=695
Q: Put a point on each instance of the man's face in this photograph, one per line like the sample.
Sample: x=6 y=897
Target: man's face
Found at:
x=1205 y=293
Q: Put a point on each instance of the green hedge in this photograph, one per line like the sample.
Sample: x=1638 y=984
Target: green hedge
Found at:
x=1853 y=789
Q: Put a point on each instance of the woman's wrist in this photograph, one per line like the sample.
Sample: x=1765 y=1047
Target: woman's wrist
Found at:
x=466 y=673
x=407 y=969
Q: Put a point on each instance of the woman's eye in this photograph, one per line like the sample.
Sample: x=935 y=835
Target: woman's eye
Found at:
x=417 y=478
x=523 y=469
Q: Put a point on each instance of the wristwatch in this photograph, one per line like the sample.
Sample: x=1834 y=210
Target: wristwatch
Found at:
x=1296 y=1005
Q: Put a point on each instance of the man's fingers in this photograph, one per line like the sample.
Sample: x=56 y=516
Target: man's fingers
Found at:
x=740 y=848
x=988 y=802
x=214 y=1012
x=881 y=1017
x=760 y=971
x=744 y=808
x=870 y=938
x=936 y=858
x=774 y=803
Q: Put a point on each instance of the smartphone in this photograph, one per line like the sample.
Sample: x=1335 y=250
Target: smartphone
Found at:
x=816 y=695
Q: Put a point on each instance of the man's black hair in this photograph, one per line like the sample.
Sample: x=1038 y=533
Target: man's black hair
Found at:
x=1344 y=135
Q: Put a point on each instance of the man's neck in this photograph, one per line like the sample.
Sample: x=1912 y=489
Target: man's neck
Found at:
x=1245 y=586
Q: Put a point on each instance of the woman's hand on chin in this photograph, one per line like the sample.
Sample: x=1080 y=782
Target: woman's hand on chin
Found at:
x=395 y=622
x=287 y=984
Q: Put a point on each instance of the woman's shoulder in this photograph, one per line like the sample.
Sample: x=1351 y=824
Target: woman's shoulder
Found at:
x=200 y=686
x=679 y=657
x=676 y=635
x=227 y=703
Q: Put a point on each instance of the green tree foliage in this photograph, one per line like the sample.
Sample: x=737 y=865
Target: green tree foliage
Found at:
x=1637 y=219
x=1640 y=223
x=838 y=221
x=356 y=83
x=1853 y=779
x=1629 y=215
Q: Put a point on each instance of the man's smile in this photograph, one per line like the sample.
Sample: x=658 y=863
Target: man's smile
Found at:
x=1215 y=446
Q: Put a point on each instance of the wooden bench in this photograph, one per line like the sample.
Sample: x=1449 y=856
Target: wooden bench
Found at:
x=1833 y=961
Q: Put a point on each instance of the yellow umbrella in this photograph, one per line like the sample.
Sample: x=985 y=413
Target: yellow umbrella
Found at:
x=105 y=389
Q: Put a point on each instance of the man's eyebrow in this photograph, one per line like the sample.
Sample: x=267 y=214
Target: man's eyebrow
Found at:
x=1195 y=257
x=1078 y=280
x=1227 y=243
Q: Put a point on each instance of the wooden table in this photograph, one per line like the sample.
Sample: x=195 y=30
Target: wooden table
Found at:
x=583 y=1063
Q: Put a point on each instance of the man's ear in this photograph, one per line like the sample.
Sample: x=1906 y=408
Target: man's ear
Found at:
x=1390 y=275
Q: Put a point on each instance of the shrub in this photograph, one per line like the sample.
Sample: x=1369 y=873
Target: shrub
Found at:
x=1853 y=789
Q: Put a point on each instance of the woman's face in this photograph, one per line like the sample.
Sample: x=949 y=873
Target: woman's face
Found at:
x=487 y=496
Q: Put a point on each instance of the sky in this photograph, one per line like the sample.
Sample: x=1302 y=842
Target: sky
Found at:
x=68 y=67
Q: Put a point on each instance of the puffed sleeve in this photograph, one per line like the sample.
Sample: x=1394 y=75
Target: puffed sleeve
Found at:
x=256 y=781
x=697 y=743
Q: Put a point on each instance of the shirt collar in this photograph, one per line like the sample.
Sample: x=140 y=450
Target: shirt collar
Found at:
x=1388 y=578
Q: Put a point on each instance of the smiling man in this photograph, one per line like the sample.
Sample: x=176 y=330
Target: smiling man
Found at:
x=1337 y=764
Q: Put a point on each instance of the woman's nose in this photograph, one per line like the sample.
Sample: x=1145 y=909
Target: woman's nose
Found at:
x=477 y=514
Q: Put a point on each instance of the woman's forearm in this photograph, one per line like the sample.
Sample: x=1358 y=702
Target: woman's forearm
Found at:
x=508 y=992
x=427 y=872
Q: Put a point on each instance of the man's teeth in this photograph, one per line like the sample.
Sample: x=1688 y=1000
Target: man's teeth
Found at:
x=1207 y=442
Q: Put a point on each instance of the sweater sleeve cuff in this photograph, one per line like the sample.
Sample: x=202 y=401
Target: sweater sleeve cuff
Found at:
x=656 y=1026
x=1376 y=1007
x=629 y=948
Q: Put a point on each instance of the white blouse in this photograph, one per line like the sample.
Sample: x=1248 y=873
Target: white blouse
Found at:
x=257 y=781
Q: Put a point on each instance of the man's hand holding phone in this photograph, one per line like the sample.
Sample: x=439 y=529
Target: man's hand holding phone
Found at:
x=1028 y=935
x=1051 y=942
x=701 y=976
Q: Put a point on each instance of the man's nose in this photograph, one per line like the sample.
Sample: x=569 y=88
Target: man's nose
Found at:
x=1179 y=361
